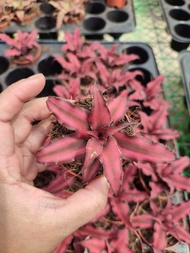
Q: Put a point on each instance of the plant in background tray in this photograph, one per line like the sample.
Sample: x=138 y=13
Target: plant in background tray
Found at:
x=67 y=11
x=24 y=48
x=22 y=10
x=5 y=18
x=102 y=126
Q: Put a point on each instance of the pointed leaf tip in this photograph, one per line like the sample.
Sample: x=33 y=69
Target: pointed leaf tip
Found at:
x=100 y=116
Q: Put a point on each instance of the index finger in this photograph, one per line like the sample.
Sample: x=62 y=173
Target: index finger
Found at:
x=13 y=98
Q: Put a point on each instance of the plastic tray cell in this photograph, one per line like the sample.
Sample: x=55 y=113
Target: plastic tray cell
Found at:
x=99 y=19
x=177 y=16
x=184 y=61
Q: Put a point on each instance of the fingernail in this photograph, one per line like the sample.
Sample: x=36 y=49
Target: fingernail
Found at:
x=36 y=76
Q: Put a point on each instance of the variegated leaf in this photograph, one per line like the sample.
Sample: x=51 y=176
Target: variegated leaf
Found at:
x=71 y=116
x=118 y=106
x=142 y=149
x=64 y=150
x=110 y=158
x=100 y=115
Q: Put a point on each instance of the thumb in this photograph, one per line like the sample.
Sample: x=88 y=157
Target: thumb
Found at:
x=83 y=206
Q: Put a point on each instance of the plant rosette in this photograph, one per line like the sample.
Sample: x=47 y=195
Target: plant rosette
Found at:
x=64 y=143
x=23 y=10
x=100 y=127
x=24 y=48
x=68 y=11
x=146 y=233
x=33 y=55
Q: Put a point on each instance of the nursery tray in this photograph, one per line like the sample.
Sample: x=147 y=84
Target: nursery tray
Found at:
x=177 y=16
x=99 y=19
x=184 y=60
x=10 y=72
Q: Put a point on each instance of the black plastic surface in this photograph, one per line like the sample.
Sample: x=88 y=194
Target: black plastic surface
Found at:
x=50 y=68
x=184 y=60
x=99 y=19
x=177 y=16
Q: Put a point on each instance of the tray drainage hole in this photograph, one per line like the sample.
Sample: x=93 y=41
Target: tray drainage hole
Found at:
x=175 y=2
x=49 y=66
x=94 y=24
x=117 y=16
x=48 y=88
x=183 y=30
x=1 y=87
x=179 y=14
x=145 y=77
x=4 y=64
x=95 y=8
x=45 y=23
x=46 y=8
x=18 y=74
x=142 y=54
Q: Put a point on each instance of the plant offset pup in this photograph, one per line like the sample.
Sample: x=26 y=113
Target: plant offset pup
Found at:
x=103 y=127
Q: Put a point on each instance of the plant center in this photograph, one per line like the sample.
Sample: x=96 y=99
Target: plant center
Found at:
x=102 y=133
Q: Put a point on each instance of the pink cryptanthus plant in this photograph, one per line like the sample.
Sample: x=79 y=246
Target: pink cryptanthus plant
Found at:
x=154 y=125
x=150 y=94
x=22 y=45
x=132 y=211
x=93 y=138
x=164 y=220
x=168 y=174
x=105 y=128
x=86 y=63
x=98 y=134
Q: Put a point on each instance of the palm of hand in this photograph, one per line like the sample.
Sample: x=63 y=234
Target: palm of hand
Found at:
x=19 y=142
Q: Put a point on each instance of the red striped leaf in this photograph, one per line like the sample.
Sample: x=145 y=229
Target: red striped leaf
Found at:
x=100 y=116
x=94 y=148
x=71 y=116
x=64 y=150
x=159 y=237
x=118 y=107
x=142 y=149
x=110 y=158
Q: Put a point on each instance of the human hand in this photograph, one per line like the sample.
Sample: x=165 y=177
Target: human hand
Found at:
x=32 y=220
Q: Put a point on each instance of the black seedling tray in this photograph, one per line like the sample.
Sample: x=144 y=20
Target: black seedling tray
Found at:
x=99 y=19
x=184 y=60
x=177 y=16
x=10 y=72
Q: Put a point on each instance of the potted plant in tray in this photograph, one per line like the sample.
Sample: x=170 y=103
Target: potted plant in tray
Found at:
x=24 y=48
x=102 y=126
x=22 y=10
x=68 y=11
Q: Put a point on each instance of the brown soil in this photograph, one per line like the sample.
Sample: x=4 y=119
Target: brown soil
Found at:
x=134 y=243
